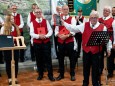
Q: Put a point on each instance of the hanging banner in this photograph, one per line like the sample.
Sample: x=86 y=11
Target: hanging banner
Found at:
x=86 y=5
x=56 y=3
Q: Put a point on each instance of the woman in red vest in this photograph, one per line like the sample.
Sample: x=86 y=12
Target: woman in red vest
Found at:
x=90 y=53
x=18 y=20
x=9 y=28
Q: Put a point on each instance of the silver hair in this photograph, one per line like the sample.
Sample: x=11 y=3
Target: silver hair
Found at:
x=93 y=12
x=108 y=7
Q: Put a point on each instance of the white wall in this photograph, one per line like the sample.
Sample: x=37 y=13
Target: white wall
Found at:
x=103 y=3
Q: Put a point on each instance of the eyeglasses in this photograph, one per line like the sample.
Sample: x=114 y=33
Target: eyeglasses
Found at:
x=14 y=8
x=93 y=18
x=38 y=12
x=106 y=10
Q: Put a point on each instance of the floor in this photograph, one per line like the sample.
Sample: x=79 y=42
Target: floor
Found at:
x=27 y=77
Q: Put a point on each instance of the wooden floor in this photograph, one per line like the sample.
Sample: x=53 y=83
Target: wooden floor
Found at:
x=28 y=76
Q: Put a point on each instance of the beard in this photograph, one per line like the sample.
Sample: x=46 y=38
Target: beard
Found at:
x=113 y=14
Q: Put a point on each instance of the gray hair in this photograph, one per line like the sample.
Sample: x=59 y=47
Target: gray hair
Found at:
x=108 y=7
x=93 y=12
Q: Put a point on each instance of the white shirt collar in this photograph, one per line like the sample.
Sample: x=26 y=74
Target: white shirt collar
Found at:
x=106 y=18
x=66 y=17
x=95 y=26
x=33 y=12
x=39 y=19
x=14 y=14
x=80 y=16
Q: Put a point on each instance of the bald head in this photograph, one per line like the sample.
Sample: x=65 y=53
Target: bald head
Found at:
x=59 y=9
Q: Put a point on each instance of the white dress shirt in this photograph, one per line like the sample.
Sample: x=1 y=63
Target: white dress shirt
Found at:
x=73 y=22
x=2 y=29
x=80 y=28
x=36 y=36
x=29 y=19
x=21 y=20
x=1 y=21
x=84 y=20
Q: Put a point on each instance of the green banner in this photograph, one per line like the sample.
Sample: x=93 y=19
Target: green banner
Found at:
x=85 y=5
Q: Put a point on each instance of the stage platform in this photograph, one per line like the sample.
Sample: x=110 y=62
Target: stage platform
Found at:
x=27 y=75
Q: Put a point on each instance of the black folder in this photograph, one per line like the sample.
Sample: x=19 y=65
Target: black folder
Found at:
x=6 y=41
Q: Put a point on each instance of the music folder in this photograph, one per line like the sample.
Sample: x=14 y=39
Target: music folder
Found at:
x=6 y=41
x=41 y=30
x=57 y=20
x=64 y=31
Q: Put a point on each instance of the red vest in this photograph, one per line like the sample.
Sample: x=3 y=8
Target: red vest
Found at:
x=38 y=25
x=108 y=24
x=86 y=35
x=17 y=21
x=69 y=39
x=32 y=17
x=14 y=33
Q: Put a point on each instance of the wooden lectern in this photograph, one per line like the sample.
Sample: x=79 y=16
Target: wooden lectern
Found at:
x=16 y=47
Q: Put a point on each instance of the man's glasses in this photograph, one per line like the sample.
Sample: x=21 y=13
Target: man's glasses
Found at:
x=93 y=18
x=14 y=8
x=38 y=12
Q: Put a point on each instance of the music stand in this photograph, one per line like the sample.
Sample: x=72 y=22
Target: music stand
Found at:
x=12 y=48
x=99 y=38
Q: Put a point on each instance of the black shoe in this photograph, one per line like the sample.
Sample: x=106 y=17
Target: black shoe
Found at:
x=1 y=62
x=22 y=60
x=16 y=82
x=40 y=77
x=110 y=75
x=85 y=85
x=73 y=78
x=51 y=78
x=59 y=77
x=10 y=83
x=0 y=75
x=33 y=59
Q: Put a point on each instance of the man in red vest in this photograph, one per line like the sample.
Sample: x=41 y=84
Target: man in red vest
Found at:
x=78 y=36
x=40 y=31
x=113 y=14
x=53 y=23
x=18 y=20
x=109 y=22
x=65 y=41
x=90 y=53
x=31 y=17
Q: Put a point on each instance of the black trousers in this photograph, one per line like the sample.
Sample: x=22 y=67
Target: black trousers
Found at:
x=69 y=49
x=104 y=49
x=56 y=45
x=91 y=60
x=110 y=62
x=78 y=37
x=8 y=58
x=32 y=52
x=21 y=53
x=1 y=57
x=43 y=56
